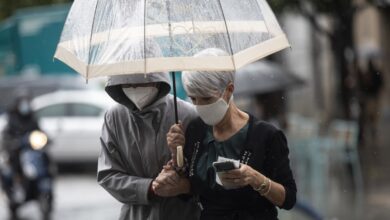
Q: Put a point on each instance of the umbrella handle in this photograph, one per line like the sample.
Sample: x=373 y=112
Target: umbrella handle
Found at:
x=179 y=156
x=179 y=149
x=175 y=97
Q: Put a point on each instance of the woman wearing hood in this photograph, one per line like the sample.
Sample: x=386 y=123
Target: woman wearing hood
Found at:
x=134 y=148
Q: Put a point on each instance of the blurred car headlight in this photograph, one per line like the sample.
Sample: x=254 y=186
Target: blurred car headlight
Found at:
x=38 y=140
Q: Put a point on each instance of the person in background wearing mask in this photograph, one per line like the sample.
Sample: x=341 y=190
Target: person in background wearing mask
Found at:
x=20 y=122
x=134 y=148
x=262 y=179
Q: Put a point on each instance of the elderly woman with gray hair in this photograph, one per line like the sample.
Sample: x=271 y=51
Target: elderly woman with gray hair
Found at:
x=261 y=179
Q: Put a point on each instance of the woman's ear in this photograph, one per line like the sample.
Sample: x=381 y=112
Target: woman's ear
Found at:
x=229 y=92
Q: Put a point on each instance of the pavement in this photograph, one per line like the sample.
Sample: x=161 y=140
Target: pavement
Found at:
x=376 y=170
x=77 y=197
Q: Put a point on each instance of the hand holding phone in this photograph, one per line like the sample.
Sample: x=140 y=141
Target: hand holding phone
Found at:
x=223 y=166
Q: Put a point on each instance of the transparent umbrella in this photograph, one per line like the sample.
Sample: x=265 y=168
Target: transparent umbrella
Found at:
x=102 y=38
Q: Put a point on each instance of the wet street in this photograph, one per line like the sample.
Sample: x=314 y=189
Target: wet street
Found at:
x=77 y=197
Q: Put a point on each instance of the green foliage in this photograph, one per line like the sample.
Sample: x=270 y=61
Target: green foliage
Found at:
x=281 y=5
x=318 y=6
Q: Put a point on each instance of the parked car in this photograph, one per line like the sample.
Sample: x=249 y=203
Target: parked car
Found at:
x=11 y=86
x=73 y=121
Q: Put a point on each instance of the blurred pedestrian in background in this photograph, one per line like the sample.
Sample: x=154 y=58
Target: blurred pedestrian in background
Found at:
x=271 y=107
x=370 y=86
x=20 y=122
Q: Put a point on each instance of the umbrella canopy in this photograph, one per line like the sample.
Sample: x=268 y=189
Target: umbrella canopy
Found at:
x=103 y=38
x=264 y=77
x=369 y=51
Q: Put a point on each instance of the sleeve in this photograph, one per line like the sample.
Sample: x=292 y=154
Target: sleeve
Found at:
x=114 y=177
x=191 y=150
x=36 y=124
x=8 y=142
x=188 y=148
x=280 y=170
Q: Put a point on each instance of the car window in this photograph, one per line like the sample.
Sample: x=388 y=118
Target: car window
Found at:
x=85 y=110
x=57 y=110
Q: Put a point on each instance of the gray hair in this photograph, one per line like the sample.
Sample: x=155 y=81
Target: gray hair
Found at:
x=207 y=83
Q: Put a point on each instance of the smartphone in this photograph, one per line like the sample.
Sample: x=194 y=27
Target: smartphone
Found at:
x=223 y=166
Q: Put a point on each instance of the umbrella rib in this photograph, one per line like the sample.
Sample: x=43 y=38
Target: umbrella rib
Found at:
x=228 y=34
x=145 y=14
x=170 y=27
x=90 y=40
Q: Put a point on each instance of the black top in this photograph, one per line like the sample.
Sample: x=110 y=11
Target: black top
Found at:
x=230 y=148
x=265 y=150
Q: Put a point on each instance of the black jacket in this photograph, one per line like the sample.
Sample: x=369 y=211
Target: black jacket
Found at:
x=17 y=126
x=265 y=150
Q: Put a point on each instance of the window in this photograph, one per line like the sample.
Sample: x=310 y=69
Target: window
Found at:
x=85 y=110
x=58 y=110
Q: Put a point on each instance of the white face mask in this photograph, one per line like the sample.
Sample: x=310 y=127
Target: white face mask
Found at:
x=213 y=113
x=141 y=96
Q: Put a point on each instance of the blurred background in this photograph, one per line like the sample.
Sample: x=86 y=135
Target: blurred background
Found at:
x=330 y=93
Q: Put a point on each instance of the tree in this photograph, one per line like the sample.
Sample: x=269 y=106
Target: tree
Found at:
x=342 y=13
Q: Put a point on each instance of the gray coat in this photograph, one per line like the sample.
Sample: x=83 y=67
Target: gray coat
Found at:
x=134 y=150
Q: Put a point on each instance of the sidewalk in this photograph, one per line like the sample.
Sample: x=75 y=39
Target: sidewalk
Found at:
x=376 y=166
